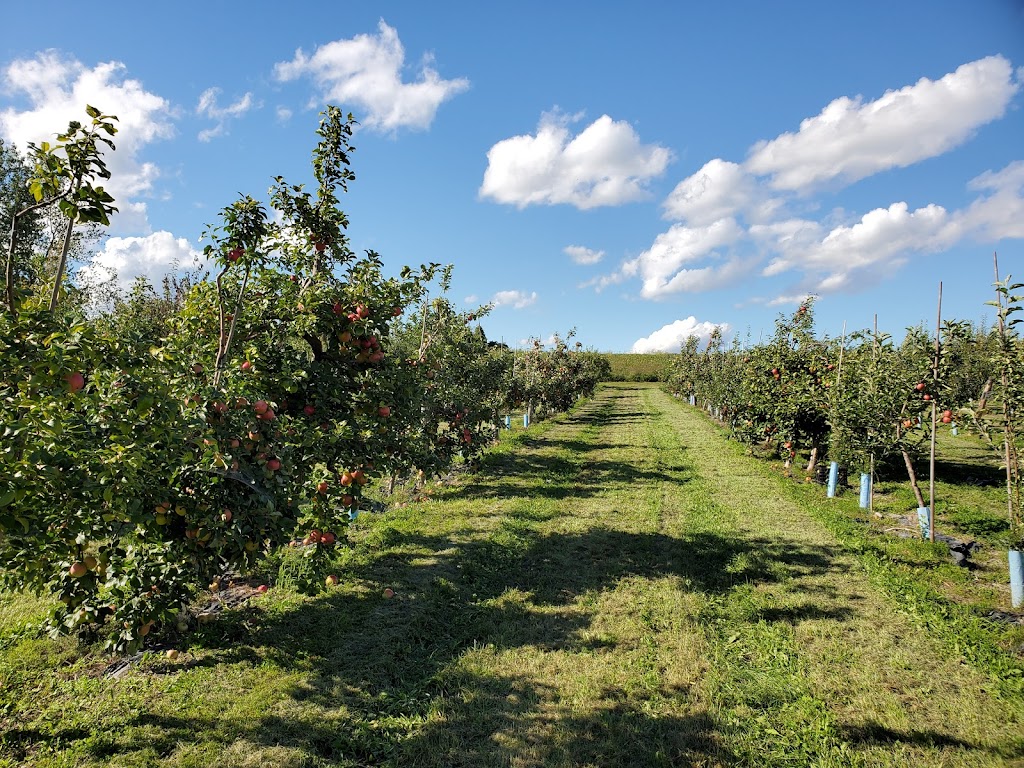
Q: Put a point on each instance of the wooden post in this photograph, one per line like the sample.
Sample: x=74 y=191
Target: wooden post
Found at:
x=931 y=460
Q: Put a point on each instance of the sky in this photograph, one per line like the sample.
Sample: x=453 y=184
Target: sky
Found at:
x=637 y=174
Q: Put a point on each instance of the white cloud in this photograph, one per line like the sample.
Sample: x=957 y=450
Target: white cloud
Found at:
x=851 y=140
x=671 y=337
x=208 y=107
x=514 y=299
x=661 y=266
x=604 y=165
x=582 y=255
x=58 y=89
x=151 y=257
x=283 y=114
x=879 y=243
x=717 y=191
x=367 y=70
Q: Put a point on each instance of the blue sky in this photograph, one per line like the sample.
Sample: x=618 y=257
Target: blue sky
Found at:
x=638 y=174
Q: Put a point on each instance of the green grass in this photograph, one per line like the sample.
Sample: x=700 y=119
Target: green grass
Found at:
x=618 y=587
x=627 y=366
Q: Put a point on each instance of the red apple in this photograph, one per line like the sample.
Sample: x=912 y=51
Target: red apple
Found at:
x=389 y=593
x=331 y=581
x=346 y=478
x=919 y=386
x=234 y=254
x=362 y=311
x=327 y=538
x=384 y=411
x=262 y=589
x=309 y=410
x=273 y=465
x=78 y=570
x=75 y=381
x=226 y=516
x=246 y=366
x=260 y=406
x=322 y=487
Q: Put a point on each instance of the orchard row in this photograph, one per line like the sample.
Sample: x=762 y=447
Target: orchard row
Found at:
x=863 y=400
x=149 y=449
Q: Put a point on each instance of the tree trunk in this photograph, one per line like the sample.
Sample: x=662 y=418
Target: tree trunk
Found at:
x=913 y=479
x=813 y=460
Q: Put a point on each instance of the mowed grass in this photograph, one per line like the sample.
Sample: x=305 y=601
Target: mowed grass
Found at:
x=620 y=587
x=633 y=366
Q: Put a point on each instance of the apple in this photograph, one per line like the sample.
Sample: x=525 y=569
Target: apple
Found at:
x=919 y=386
x=273 y=465
x=262 y=589
x=384 y=411
x=322 y=487
x=376 y=357
x=396 y=311
x=359 y=477
x=78 y=570
x=947 y=419
x=309 y=410
x=145 y=628
x=337 y=308
x=389 y=593
x=75 y=381
x=346 y=478
x=226 y=516
x=197 y=368
x=235 y=442
x=234 y=254
x=172 y=654
x=268 y=415
x=320 y=246
x=331 y=581
x=327 y=538
x=345 y=337
x=246 y=366
x=261 y=406
x=926 y=397
x=347 y=501
x=90 y=562
x=362 y=311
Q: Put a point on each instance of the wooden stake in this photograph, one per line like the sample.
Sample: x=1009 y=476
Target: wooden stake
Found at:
x=931 y=461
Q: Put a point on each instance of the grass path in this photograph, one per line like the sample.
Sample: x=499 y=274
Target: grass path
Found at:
x=619 y=588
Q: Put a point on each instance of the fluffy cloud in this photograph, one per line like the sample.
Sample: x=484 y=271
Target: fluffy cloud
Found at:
x=208 y=107
x=514 y=299
x=151 y=257
x=881 y=240
x=367 y=70
x=851 y=140
x=58 y=88
x=661 y=267
x=731 y=217
x=717 y=191
x=671 y=337
x=604 y=165
x=581 y=255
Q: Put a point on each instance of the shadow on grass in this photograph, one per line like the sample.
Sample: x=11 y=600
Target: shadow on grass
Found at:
x=429 y=677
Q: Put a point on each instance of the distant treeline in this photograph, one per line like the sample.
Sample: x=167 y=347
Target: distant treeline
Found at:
x=651 y=366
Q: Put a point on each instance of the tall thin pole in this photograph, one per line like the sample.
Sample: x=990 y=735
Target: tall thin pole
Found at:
x=1006 y=412
x=931 y=461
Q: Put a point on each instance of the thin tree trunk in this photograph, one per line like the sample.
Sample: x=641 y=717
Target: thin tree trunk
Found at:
x=913 y=478
x=813 y=460
x=61 y=265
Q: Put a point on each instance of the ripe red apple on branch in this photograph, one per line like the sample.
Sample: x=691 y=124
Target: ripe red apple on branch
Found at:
x=75 y=381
